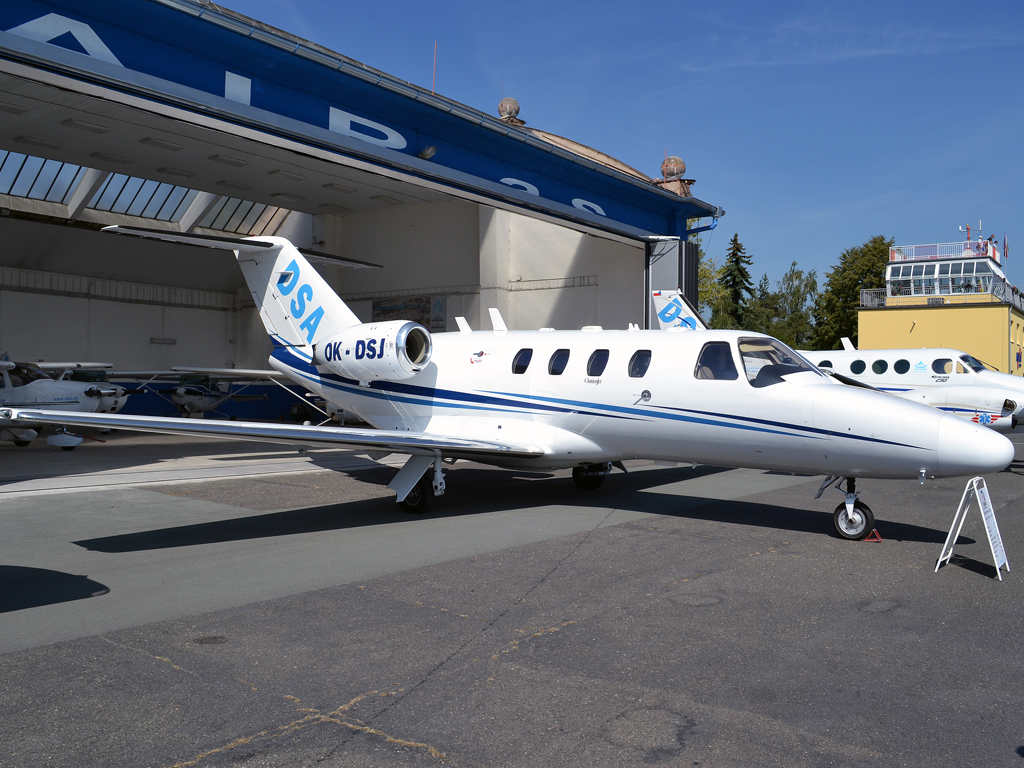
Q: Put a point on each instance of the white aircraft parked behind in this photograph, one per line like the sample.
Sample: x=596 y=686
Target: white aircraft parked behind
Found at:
x=27 y=385
x=582 y=399
x=948 y=379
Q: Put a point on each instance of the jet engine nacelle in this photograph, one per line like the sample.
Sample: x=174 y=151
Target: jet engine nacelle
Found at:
x=398 y=349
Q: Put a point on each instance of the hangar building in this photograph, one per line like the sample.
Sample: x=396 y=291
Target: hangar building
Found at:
x=181 y=115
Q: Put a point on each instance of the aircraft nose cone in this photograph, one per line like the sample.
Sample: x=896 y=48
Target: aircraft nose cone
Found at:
x=966 y=448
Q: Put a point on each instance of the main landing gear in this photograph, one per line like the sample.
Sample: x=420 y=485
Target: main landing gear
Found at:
x=430 y=484
x=590 y=477
x=853 y=519
x=421 y=497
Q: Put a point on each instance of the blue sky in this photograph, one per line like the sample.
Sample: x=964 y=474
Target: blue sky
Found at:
x=814 y=125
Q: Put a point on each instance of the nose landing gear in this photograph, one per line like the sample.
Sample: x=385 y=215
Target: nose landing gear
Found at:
x=853 y=519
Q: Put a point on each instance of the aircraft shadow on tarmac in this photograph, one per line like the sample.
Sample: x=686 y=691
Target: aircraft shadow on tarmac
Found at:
x=22 y=588
x=479 y=491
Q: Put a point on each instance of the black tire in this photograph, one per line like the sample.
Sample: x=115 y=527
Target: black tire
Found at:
x=68 y=447
x=862 y=525
x=586 y=478
x=421 y=497
x=22 y=443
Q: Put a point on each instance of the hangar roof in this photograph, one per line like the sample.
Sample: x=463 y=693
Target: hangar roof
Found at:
x=186 y=93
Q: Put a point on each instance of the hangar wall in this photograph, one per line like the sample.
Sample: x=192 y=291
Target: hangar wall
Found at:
x=37 y=326
x=537 y=274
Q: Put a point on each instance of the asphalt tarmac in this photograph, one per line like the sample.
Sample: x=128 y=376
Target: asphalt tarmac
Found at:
x=174 y=602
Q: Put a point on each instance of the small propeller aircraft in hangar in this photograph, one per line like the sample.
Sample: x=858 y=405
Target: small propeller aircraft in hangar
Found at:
x=585 y=400
x=197 y=391
x=80 y=387
x=948 y=379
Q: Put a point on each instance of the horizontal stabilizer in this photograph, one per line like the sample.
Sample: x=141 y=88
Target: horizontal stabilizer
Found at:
x=204 y=241
x=225 y=243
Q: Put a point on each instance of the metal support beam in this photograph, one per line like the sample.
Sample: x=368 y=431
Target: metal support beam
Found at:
x=197 y=209
x=90 y=183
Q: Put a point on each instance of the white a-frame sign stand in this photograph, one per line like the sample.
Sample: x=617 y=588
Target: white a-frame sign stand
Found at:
x=976 y=488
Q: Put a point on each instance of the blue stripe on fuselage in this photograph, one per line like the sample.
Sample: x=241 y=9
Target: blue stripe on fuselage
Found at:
x=499 y=401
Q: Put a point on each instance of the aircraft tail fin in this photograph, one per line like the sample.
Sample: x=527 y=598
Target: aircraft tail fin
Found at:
x=674 y=311
x=296 y=304
x=848 y=345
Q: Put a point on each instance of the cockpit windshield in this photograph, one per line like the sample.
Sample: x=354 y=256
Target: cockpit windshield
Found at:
x=766 y=361
x=975 y=364
x=24 y=374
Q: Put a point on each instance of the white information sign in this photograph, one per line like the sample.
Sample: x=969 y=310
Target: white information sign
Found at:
x=976 y=489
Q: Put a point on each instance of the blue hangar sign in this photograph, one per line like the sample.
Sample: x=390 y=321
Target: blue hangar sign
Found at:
x=192 y=55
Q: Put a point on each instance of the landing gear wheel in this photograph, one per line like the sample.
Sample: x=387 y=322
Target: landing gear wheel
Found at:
x=421 y=497
x=586 y=478
x=862 y=524
x=68 y=447
x=22 y=443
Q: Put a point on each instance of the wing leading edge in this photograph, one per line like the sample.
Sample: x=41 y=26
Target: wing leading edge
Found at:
x=415 y=443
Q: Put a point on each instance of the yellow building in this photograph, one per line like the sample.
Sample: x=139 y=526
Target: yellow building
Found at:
x=952 y=295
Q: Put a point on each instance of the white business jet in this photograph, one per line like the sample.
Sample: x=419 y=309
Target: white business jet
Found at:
x=27 y=385
x=948 y=379
x=581 y=399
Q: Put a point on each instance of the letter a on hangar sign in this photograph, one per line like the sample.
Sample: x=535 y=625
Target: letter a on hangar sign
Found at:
x=52 y=25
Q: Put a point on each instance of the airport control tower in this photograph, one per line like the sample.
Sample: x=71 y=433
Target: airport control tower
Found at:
x=947 y=295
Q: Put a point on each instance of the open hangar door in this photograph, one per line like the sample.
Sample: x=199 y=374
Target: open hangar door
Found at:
x=178 y=115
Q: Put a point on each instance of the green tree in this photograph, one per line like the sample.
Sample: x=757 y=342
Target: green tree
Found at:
x=762 y=311
x=784 y=313
x=736 y=285
x=796 y=295
x=835 y=311
x=709 y=290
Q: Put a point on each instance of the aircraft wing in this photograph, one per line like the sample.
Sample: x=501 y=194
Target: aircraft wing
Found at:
x=416 y=443
x=220 y=374
x=233 y=373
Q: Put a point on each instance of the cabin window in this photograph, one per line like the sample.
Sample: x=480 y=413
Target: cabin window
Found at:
x=639 y=363
x=901 y=366
x=715 y=362
x=943 y=269
x=975 y=364
x=879 y=366
x=597 y=362
x=857 y=367
x=766 y=361
x=558 y=361
x=942 y=365
x=522 y=360
x=825 y=364
x=22 y=375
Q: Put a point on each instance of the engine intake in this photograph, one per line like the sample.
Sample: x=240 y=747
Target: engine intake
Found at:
x=398 y=349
